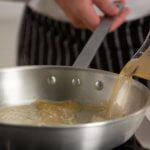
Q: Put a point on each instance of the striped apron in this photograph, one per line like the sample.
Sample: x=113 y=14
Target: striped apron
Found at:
x=45 y=41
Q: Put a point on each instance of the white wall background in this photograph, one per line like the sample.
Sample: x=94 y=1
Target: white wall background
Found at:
x=10 y=14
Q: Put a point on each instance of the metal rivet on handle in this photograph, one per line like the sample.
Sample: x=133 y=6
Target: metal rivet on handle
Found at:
x=76 y=82
x=99 y=85
x=52 y=80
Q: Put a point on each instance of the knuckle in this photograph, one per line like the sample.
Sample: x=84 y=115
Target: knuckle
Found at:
x=95 y=23
x=76 y=23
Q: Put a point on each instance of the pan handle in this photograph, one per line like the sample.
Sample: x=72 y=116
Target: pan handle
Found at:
x=88 y=52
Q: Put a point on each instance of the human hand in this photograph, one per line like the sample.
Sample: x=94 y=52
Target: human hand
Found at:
x=82 y=14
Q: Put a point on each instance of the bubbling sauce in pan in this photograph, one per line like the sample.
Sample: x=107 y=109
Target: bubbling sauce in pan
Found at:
x=46 y=112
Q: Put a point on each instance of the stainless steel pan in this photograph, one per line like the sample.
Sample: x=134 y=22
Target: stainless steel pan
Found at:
x=22 y=85
x=25 y=84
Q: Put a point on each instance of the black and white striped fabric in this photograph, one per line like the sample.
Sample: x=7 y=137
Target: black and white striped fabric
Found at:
x=44 y=41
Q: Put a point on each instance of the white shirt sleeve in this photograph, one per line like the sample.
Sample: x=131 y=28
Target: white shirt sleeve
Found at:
x=139 y=8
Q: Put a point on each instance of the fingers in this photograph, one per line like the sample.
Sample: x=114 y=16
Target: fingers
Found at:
x=83 y=15
x=123 y=1
x=120 y=19
x=107 y=6
x=110 y=9
x=80 y=14
x=88 y=15
x=77 y=23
